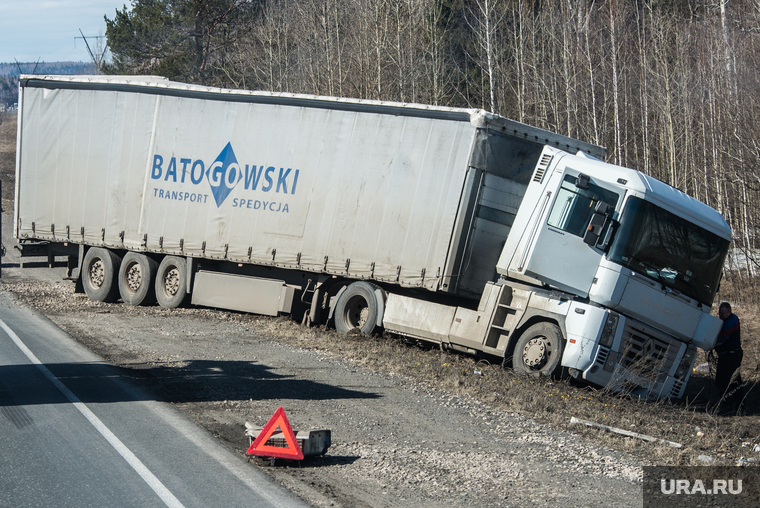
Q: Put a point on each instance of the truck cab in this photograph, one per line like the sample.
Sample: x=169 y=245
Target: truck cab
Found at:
x=641 y=260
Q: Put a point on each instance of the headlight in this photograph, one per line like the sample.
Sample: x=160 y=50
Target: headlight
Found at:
x=686 y=361
x=610 y=327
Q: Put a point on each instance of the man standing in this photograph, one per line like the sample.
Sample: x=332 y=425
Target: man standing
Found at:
x=729 y=351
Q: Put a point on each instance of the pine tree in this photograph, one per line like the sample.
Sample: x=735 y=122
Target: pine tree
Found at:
x=177 y=39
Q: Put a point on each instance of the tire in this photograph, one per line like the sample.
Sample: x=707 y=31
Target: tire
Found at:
x=171 y=282
x=100 y=271
x=538 y=351
x=137 y=277
x=357 y=308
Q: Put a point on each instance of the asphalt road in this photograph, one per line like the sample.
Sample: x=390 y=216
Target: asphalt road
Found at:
x=73 y=432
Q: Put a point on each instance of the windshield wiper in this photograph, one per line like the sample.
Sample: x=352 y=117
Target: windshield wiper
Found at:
x=678 y=280
x=693 y=293
x=649 y=267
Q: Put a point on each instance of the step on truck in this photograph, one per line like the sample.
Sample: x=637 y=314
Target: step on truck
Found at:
x=452 y=226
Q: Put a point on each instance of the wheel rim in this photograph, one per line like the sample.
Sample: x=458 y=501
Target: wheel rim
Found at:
x=171 y=282
x=357 y=312
x=97 y=273
x=536 y=353
x=134 y=277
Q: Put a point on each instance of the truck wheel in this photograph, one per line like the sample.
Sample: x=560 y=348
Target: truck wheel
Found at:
x=100 y=270
x=538 y=351
x=357 y=309
x=171 y=282
x=136 y=279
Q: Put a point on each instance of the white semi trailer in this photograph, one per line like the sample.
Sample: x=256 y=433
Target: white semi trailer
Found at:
x=454 y=226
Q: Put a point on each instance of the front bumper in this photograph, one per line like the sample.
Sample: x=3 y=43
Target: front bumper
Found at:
x=642 y=362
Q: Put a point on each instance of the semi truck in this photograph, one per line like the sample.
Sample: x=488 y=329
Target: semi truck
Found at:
x=452 y=226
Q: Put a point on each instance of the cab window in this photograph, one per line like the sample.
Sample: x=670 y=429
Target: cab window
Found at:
x=574 y=206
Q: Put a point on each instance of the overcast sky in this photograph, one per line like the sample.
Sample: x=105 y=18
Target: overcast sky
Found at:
x=45 y=29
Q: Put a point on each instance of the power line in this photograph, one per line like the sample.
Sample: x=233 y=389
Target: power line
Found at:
x=97 y=58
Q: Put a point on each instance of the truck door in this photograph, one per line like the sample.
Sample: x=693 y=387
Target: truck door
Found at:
x=560 y=256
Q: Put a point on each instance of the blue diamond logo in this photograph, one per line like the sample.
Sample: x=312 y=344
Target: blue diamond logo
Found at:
x=223 y=175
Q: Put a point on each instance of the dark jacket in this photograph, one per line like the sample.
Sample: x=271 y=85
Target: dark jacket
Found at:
x=729 y=338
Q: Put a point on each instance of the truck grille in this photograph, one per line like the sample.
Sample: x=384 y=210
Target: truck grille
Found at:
x=676 y=391
x=646 y=352
x=601 y=357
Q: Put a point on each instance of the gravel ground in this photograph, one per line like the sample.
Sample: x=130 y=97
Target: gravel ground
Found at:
x=396 y=441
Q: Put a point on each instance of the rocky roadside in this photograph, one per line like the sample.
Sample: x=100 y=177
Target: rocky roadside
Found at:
x=396 y=441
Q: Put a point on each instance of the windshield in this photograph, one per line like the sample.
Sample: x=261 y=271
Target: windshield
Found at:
x=669 y=249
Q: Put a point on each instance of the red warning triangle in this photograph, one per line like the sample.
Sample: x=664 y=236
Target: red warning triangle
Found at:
x=259 y=446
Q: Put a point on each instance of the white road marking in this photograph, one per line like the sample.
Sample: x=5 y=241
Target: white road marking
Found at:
x=154 y=483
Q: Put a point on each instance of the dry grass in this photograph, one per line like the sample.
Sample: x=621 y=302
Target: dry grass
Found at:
x=7 y=157
x=8 y=132
x=555 y=402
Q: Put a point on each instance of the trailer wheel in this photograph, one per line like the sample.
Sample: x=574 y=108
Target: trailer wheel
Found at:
x=136 y=279
x=538 y=351
x=357 y=309
x=100 y=271
x=171 y=282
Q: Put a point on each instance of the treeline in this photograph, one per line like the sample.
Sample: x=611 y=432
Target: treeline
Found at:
x=671 y=87
x=8 y=90
x=9 y=74
x=13 y=69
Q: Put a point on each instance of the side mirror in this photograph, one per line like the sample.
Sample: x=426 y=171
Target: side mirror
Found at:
x=596 y=225
x=604 y=244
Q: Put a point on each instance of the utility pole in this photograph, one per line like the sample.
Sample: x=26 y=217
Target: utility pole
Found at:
x=100 y=52
x=34 y=71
